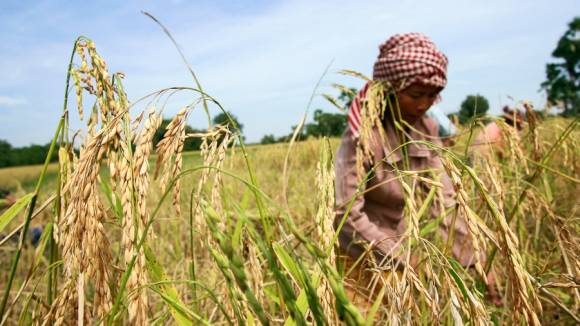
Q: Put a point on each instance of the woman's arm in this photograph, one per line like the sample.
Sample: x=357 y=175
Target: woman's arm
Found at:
x=347 y=184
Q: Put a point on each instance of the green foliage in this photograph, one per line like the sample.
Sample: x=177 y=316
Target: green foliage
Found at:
x=326 y=124
x=13 y=211
x=5 y=149
x=268 y=139
x=191 y=144
x=347 y=97
x=180 y=313
x=472 y=107
x=28 y=155
x=331 y=124
x=222 y=119
x=563 y=78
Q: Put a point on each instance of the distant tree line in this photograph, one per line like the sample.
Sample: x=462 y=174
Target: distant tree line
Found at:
x=27 y=155
x=36 y=154
x=325 y=124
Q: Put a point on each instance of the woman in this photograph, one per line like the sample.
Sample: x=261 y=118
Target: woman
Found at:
x=408 y=76
x=492 y=139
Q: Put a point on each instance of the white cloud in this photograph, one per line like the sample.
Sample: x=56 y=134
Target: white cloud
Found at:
x=8 y=101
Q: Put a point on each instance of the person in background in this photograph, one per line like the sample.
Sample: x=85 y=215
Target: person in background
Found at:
x=34 y=235
x=491 y=139
x=408 y=76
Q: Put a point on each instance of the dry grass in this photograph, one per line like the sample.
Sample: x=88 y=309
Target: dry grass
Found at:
x=20 y=178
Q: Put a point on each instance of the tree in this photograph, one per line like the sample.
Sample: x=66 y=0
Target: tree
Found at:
x=326 y=124
x=347 y=97
x=473 y=106
x=5 y=152
x=563 y=78
x=28 y=155
x=331 y=124
x=222 y=119
x=190 y=144
x=268 y=139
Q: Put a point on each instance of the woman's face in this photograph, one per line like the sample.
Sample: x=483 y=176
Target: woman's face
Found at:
x=415 y=100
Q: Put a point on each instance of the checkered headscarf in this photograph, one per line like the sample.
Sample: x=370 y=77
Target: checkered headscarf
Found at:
x=410 y=58
x=404 y=59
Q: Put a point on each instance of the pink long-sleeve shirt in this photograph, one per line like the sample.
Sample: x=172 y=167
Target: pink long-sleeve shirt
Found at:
x=377 y=216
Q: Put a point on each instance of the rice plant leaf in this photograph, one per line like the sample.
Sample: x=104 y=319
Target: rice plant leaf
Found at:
x=250 y=320
x=24 y=318
x=167 y=292
x=289 y=264
x=13 y=211
x=426 y=204
x=44 y=237
x=459 y=282
x=302 y=304
x=431 y=226
x=312 y=295
x=106 y=188
x=562 y=174
x=245 y=199
x=272 y=296
x=372 y=313
x=180 y=309
x=547 y=188
x=236 y=237
x=302 y=301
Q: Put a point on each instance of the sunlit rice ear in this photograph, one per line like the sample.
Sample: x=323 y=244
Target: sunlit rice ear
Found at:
x=370 y=108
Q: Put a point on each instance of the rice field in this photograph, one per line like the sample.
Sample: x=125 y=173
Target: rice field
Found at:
x=24 y=177
x=244 y=235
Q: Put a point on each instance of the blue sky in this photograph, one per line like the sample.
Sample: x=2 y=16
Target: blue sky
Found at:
x=262 y=59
